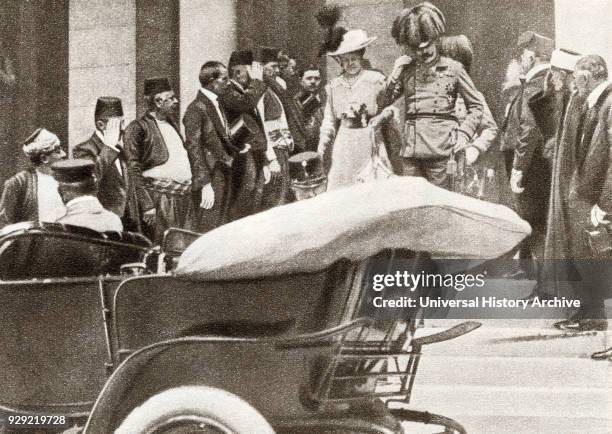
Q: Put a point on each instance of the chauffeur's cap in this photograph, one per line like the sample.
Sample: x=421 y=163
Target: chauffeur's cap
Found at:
x=108 y=107
x=75 y=170
x=40 y=142
x=541 y=45
x=155 y=85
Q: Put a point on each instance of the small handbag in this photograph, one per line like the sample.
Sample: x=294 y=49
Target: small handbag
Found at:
x=378 y=167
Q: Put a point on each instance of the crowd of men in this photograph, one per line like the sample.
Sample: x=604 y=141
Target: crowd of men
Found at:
x=232 y=161
x=251 y=116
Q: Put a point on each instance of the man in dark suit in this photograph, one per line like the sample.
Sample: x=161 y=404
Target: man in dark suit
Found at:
x=251 y=169
x=590 y=192
x=105 y=149
x=530 y=178
x=211 y=154
x=158 y=163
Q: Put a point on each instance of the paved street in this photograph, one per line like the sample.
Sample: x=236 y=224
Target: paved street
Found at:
x=516 y=376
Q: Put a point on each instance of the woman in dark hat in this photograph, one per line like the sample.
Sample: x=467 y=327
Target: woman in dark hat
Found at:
x=345 y=142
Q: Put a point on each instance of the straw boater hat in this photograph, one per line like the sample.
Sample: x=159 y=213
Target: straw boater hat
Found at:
x=353 y=40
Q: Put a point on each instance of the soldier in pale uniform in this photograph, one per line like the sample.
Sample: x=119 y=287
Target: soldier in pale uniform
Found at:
x=430 y=84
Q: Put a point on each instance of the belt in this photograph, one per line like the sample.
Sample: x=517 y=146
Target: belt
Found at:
x=167 y=186
x=420 y=115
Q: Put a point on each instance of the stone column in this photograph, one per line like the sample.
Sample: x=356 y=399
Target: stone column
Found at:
x=207 y=32
x=583 y=27
x=102 y=60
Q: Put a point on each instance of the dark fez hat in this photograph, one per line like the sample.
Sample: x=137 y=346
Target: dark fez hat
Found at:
x=108 y=107
x=541 y=45
x=269 y=54
x=75 y=170
x=155 y=85
x=240 y=57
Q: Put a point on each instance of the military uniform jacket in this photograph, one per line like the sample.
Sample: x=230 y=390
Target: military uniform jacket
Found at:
x=430 y=92
x=88 y=212
x=111 y=184
x=19 y=200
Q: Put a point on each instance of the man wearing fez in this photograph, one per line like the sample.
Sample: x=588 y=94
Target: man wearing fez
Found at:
x=282 y=126
x=239 y=100
x=310 y=101
x=430 y=84
x=531 y=172
x=158 y=163
x=78 y=189
x=210 y=150
x=105 y=149
x=31 y=195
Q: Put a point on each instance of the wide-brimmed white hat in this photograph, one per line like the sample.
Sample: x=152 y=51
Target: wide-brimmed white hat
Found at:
x=353 y=40
x=564 y=59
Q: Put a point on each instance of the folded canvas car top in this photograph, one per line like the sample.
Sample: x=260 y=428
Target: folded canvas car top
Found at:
x=354 y=223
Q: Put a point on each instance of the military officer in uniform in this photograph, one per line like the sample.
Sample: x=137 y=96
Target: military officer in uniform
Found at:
x=430 y=84
x=78 y=189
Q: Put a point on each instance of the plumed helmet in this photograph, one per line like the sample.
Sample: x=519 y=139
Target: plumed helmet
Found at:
x=418 y=25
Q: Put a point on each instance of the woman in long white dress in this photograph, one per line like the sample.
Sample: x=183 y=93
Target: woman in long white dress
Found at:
x=345 y=139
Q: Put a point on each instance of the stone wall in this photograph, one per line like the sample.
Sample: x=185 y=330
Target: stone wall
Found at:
x=102 y=60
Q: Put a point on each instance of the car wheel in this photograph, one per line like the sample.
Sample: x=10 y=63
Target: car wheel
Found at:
x=195 y=409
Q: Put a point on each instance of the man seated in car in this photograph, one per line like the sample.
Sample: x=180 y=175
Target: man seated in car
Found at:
x=77 y=188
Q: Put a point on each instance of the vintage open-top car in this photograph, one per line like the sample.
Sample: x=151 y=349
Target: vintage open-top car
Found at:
x=262 y=325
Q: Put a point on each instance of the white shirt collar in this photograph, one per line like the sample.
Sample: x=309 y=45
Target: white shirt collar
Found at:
x=210 y=95
x=76 y=200
x=596 y=93
x=535 y=70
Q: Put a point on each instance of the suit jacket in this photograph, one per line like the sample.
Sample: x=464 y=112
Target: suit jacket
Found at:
x=145 y=148
x=111 y=183
x=19 y=202
x=87 y=211
x=206 y=141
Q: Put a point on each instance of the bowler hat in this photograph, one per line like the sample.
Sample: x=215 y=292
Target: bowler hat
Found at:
x=108 y=107
x=155 y=85
x=75 y=170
